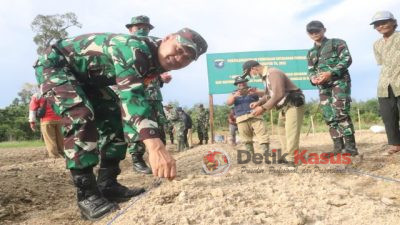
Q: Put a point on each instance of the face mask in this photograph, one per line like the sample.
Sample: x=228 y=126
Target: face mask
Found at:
x=141 y=32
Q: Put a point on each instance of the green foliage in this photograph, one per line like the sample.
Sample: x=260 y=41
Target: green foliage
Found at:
x=51 y=28
x=21 y=144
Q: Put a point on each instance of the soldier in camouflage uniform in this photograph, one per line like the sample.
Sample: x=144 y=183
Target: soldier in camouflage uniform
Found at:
x=202 y=124
x=328 y=63
x=74 y=74
x=178 y=125
x=140 y=26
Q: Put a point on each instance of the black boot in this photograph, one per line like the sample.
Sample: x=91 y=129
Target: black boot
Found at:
x=350 y=145
x=139 y=164
x=201 y=142
x=91 y=203
x=338 y=145
x=206 y=141
x=109 y=186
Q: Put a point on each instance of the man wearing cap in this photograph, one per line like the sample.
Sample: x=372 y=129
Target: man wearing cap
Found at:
x=140 y=26
x=387 y=54
x=328 y=62
x=248 y=124
x=280 y=93
x=75 y=81
x=202 y=124
x=177 y=123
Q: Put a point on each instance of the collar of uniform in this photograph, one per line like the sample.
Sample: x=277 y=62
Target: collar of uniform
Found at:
x=324 y=40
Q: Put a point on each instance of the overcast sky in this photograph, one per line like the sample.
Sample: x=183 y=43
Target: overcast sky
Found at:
x=227 y=25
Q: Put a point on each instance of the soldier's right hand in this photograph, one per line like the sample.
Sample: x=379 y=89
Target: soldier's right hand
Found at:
x=161 y=161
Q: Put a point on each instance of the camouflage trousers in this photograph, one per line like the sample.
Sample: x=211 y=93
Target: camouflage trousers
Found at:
x=157 y=114
x=91 y=121
x=335 y=104
x=202 y=132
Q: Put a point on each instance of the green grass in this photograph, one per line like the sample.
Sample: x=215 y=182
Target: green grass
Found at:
x=21 y=144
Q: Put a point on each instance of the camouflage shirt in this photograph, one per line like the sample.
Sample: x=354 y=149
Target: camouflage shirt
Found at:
x=202 y=119
x=333 y=55
x=105 y=59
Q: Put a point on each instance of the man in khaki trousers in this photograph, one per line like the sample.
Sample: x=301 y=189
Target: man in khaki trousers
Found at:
x=282 y=94
x=249 y=126
x=50 y=125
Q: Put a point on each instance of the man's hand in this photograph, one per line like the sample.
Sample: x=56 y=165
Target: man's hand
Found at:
x=324 y=77
x=253 y=105
x=236 y=94
x=161 y=162
x=166 y=77
x=258 y=111
x=33 y=126
x=315 y=80
x=252 y=91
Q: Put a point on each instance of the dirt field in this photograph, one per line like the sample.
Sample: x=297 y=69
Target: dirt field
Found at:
x=36 y=190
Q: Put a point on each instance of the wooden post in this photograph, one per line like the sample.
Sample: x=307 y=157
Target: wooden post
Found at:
x=272 y=122
x=359 y=119
x=210 y=100
x=312 y=125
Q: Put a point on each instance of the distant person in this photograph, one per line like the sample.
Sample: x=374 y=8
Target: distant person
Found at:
x=328 y=63
x=282 y=94
x=139 y=26
x=176 y=120
x=187 y=121
x=202 y=124
x=50 y=125
x=232 y=127
x=387 y=54
x=249 y=126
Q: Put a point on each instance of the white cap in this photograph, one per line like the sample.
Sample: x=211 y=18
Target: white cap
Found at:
x=382 y=15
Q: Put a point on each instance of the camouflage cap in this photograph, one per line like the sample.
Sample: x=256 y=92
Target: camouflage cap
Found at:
x=314 y=26
x=247 y=66
x=192 y=39
x=382 y=15
x=139 y=20
x=239 y=80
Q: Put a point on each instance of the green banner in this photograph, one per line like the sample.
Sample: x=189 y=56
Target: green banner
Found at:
x=224 y=67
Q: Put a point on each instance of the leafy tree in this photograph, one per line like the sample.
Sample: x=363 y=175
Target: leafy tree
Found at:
x=51 y=28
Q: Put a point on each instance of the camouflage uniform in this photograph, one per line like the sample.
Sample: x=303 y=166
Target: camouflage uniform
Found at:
x=202 y=125
x=75 y=73
x=333 y=56
x=178 y=125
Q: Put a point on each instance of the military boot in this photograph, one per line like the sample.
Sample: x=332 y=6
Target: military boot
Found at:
x=139 y=164
x=207 y=141
x=350 y=145
x=201 y=142
x=91 y=203
x=338 y=145
x=249 y=147
x=109 y=186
